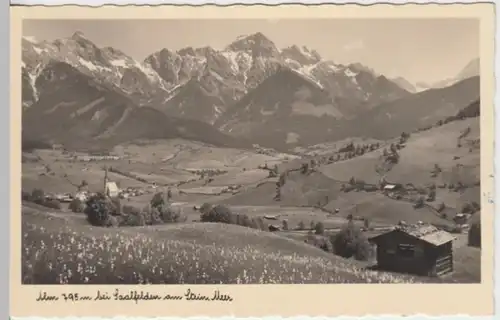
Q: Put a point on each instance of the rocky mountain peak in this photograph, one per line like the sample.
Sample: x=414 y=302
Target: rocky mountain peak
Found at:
x=78 y=35
x=302 y=55
x=257 y=44
x=188 y=51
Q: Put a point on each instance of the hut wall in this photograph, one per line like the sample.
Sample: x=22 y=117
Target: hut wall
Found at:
x=402 y=253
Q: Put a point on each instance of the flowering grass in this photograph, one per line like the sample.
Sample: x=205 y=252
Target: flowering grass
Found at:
x=62 y=250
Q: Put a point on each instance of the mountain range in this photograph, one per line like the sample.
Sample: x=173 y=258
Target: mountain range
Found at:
x=250 y=91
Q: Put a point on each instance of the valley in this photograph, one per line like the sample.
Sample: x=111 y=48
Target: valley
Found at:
x=259 y=157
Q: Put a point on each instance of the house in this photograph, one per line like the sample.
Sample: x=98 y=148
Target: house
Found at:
x=416 y=249
x=391 y=187
x=274 y=228
x=269 y=217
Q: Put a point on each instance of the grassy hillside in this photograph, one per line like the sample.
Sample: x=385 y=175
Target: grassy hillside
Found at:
x=419 y=110
x=458 y=159
x=173 y=254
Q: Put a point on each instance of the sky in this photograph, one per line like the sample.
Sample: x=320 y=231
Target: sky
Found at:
x=426 y=50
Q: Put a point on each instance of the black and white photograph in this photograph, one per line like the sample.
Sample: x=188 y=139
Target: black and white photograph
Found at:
x=251 y=151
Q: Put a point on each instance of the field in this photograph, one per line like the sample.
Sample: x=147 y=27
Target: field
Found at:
x=197 y=173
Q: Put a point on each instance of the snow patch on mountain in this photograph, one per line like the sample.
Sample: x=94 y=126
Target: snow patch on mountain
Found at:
x=30 y=39
x=232 y=57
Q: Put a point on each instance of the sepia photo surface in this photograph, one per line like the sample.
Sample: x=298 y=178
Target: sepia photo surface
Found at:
x=253 y=151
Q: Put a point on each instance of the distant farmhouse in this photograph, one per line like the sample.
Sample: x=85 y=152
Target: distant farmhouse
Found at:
x=418 y=249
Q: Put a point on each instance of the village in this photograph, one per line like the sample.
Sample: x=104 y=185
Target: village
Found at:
x=419 y=248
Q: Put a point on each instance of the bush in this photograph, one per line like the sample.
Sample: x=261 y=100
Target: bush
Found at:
x=474 y=236
x=467 y=208
x=282 y=180
x=113 y=222
x=419 y=203
x=319 y=228
x=432 y=195
x=475 y=206
x=132 y=217
x=133 y=220
x=304 y=168
x=77 y=205
x=351 y=242
x=26 y=196
x=285 y=225
x=152 y=215
x=219 y=214
x=366 y=223
x=38 y=196
x=441 y=207
x=158 y=200
x=98 y=210
x=51 y=203
x=244 y=221
x=169 y=214
x=301 y=226
x=205 y=208
x=260 y=224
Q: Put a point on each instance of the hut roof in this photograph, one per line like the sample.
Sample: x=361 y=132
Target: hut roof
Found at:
x=427 y=233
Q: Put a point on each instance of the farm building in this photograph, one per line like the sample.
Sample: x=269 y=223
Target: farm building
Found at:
x=392 y=187
x=460 y=218
x=274 y=228
x=416 y=249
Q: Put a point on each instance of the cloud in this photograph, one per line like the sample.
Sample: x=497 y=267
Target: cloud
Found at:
x=356 y=45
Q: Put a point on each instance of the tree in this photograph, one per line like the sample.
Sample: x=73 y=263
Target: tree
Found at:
x=419 y=203
x=277 y=197
x=285 y=225
x=219 y=213
x=366 y=223
x=404 y=137
x=158 y=200
x=245 y=221
x=319 y=228
x=260 y=224
x=98 y=210
x=474 y=236
x=351 y=242
x=305 y=168
x=352 y=181
x=313 y=164
x=393 y=148
x=38 y=196
x=301 y=225
x=441 y=207
x=205 y=208
x=432 y=195
x=83 y=184
x=312 y=224
x=282 y=179
x=77 y=205
x=437 y=168
x=168 y=214
x=467 y=208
